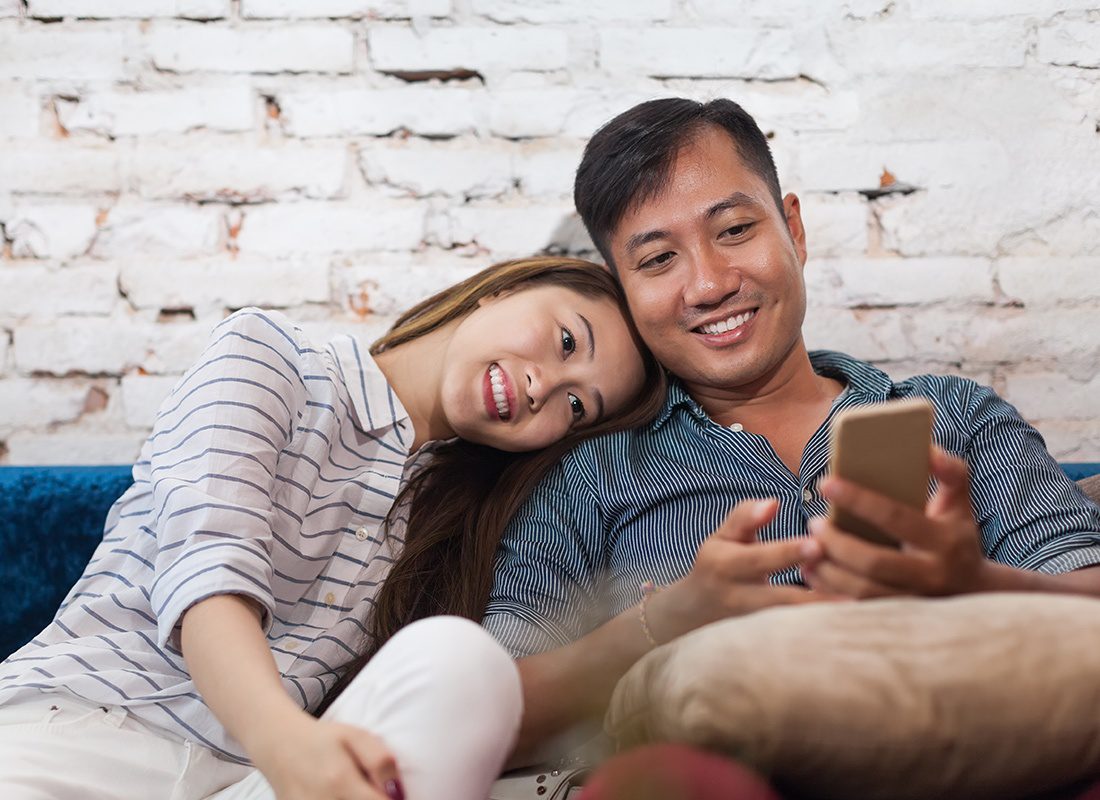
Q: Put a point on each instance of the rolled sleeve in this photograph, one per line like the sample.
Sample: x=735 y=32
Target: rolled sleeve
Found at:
x=1032 y=516
x=213 y=454
x=544 y=590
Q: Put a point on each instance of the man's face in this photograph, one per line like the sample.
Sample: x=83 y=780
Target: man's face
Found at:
x=713 y=270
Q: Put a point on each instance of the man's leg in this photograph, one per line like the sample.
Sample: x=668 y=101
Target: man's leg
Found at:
x=444 y=697
x=675 y=772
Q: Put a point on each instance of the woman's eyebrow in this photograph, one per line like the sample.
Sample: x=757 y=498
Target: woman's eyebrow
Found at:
x=591 y=337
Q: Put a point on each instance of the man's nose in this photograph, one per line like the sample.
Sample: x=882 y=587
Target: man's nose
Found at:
x=712 y=279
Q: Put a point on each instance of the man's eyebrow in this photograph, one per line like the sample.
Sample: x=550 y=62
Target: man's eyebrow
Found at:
x=735 y=200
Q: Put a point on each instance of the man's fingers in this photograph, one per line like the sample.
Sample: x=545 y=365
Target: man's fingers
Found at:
x=907 y=525
x=883 y=565
x=953 y=478
x=832 y=579
x=746 y=518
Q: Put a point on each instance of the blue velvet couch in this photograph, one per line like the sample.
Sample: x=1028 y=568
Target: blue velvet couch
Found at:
x=51 y=519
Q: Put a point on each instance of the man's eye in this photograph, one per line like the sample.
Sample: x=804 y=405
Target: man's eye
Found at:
x=568 y=343
x=656 y=261
x=577 y=406
x=737 y=230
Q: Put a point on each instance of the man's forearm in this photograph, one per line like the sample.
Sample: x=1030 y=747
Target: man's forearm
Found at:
x=1009 y=579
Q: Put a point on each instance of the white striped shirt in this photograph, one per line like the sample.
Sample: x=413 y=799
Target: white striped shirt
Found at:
x=268 y=473
x=630 y=507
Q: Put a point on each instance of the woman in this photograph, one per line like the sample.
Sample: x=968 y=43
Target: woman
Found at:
x=261 y=560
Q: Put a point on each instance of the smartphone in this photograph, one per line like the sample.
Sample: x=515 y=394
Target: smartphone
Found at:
x=884 y=448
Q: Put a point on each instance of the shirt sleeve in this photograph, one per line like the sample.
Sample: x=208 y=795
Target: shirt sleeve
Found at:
x=1032 y=516
x=213 y=454
x=544 y=592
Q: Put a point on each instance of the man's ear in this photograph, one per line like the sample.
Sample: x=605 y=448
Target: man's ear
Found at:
x=792 y=210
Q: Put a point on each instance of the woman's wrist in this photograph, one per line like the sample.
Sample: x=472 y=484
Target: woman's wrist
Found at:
x=272 y=727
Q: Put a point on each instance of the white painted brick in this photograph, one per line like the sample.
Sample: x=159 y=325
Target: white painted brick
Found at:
x=4 y=347
x=461 y=167
x=544 y=168
x=521 y=113
x=80 y=345
x=117 y=113
x=10 y=8
x=1043 y=394
x=296 y=48
x=397 y=49
x=593 y=109
x=175 y=347
x=65 y=53
x=18 y=111
x=508 y=231
x=884 y=46
x=160 y=230
x=46 y=292
x=798 y=105
x=700 y=53
x=54 y=230
x=210 y=171
x=835 y=225
x=71 y=448
x=37 y=403
x=873 y=335
x=1049 y=281
x=910 y=281
x=129 y=9
x=1071 y=43
x=59 y=168
x=1074 y=233
x=336 y=9
x=225 y=282
x=573 y=11
x=142 y=396
x=355 y=112
x=377 y=224
x=784 y=11
x=994 y=9
x=1071 y=440
x=387 y=284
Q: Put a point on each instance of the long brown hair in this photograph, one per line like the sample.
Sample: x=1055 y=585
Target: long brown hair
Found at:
x=461 y=502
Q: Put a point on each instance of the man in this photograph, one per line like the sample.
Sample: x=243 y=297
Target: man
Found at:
x=683 y=201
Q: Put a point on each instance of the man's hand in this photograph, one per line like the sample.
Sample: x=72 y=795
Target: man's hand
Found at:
x=940 y=550
x=730 y=575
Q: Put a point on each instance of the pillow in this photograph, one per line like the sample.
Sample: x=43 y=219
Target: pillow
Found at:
x=1091 y=487
x=982 y=696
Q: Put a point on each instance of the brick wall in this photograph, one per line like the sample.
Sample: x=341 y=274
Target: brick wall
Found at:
x=164 y=161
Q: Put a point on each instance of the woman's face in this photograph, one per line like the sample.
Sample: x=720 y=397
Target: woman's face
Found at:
x=529 y=366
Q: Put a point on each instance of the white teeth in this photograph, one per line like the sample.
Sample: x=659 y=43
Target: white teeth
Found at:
x=500 y=397
x=727 y=325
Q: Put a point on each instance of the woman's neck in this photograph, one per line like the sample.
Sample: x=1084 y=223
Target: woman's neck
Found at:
x=414 y=370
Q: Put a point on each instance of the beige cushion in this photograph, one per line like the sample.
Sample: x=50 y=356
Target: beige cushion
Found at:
x=984 y=696
x=1091 y=487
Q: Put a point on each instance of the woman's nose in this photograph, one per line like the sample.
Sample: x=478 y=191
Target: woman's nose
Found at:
x=540 y=385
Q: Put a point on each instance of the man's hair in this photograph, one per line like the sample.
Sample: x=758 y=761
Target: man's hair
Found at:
x=629 y=160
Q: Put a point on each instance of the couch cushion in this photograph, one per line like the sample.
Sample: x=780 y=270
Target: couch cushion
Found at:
x=1091 y=487
x=984 y=696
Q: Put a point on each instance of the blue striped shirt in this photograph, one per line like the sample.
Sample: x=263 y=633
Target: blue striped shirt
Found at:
x=268 y=473
x=635 y=506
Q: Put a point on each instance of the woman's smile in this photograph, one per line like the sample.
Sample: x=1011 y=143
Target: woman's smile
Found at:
x=499 y=393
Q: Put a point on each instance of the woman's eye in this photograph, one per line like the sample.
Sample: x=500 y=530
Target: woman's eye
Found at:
x=577 y=406
x=656 y=261
x=568 y=343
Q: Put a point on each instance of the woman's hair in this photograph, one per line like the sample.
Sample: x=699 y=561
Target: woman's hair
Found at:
x=461 y=502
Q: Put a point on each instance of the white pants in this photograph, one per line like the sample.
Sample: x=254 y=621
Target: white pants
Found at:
x=442 y=695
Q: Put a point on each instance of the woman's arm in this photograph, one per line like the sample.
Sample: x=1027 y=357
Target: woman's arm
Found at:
x=302 y=757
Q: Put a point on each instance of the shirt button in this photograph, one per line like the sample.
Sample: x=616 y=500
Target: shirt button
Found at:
x=292 y=645
x=737 y=427
x=807 y=496
x=362 y=534
x=330 y=598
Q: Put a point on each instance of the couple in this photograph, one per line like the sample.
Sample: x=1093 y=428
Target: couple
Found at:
x=302 y=520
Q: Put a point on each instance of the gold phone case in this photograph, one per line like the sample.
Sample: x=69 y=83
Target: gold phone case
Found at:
x=884 y=448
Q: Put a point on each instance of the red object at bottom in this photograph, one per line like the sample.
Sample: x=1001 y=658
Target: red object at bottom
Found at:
x=675 y=772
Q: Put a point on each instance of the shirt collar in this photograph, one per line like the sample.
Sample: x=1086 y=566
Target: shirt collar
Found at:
x=373 y=401
x=860 y=377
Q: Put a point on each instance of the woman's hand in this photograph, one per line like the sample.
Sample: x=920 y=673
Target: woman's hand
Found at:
x=310 y=759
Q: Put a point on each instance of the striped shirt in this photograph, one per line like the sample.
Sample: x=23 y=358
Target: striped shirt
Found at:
x=635 y=506
x=268 y=473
